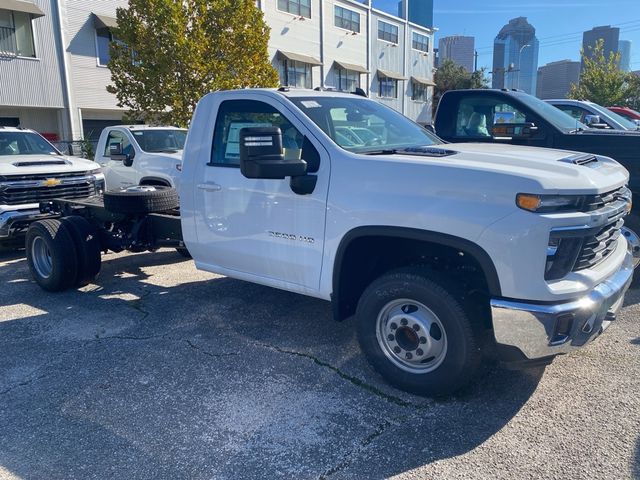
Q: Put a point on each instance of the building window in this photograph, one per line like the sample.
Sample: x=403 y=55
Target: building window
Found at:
x=347 y=19
x=387 y=32
x=420 y=42
x=348 y=80
x=104 y=38
x=297 y=74
x=16 y=34
x=419 y=92
x=296 y=7
x=388 y=87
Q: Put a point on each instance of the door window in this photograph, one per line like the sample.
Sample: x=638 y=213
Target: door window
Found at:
x=234 y=115
x=115 y=138
x=576 y=112
x=477 y=116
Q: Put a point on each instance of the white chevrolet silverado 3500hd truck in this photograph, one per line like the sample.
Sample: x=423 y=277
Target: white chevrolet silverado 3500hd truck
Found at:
x=31 y=171
x=430 y=245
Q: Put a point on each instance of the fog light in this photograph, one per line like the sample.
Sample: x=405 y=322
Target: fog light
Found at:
x=564 y=324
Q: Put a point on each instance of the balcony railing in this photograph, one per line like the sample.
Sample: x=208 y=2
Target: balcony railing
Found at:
x=8 y=45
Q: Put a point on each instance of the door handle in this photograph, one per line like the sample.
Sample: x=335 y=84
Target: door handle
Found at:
x=210 y=187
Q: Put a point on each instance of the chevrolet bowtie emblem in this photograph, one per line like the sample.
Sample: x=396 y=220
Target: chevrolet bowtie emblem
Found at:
x=51 y=182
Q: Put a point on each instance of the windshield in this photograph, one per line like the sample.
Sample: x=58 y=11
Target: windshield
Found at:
x=554 y=115
x=25 y=143
x=361 y=125
x=605 y=112
x=155 y=141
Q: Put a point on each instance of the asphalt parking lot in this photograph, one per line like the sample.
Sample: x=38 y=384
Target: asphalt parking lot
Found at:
x=161 y=371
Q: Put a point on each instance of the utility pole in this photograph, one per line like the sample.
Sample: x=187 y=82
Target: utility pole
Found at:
x=475 y=63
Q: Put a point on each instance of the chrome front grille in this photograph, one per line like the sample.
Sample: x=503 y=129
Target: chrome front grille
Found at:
x=41 y=188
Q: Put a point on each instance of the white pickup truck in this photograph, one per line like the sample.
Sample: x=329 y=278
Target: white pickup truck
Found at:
x=429 y=245
x=31 y=171
x=140 y=155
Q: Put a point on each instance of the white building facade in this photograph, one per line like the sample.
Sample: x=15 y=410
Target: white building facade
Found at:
x=53 y=73
x=53 y=56
x=346 y=44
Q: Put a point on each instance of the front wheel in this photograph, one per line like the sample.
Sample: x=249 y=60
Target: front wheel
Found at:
x=416 y=334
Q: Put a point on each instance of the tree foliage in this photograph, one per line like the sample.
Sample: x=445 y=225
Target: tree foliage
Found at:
x=451 y=76
x=601 y=80
x=169 y=53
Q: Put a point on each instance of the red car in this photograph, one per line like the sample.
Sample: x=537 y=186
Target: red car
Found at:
x=626 y=112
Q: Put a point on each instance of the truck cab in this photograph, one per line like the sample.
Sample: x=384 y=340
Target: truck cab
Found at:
x=145 y=155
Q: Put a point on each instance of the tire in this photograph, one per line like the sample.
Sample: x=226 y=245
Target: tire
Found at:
x=416 y=334
x=183 y=251
x=51 y=255
x=141 y=200
x=87 y=243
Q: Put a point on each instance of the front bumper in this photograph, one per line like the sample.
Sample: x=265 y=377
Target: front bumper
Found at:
x=16 y=221
x=540 y=331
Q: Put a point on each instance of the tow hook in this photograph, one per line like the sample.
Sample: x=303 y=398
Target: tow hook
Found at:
x=633 y=242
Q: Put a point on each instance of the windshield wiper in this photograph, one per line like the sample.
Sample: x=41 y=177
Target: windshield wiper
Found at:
x=389 y=151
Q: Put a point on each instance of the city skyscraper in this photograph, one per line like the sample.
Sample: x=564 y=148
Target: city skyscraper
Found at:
x=515 y=56
x=419 y=12
x=610 y=35
x=458 y=48
x=624 y=47
x=555 y=79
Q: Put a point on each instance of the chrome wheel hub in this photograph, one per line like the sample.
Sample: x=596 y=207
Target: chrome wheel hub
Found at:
x=41 y=257
x=633 y=241
x=411 y=336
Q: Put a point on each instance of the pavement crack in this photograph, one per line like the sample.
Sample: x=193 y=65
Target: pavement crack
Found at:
x=358 y=382
x=138 y=304
x=205 y=352
x=369 y=439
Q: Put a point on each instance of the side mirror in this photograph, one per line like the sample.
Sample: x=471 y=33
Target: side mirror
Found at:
x=116 y=154
x=594 y=121
x=262 y=155
x=513 y=130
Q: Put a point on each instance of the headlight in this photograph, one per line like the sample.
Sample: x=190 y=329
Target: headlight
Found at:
x=95 y=171
x=549 y=203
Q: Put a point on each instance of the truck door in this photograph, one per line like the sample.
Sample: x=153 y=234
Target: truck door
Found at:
x=117 y=174
x=478 y=115
x=254 y=228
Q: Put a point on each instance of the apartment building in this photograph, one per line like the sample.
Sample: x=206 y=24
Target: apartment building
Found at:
x=346 y=44
x=53 y=73
x=53 y=56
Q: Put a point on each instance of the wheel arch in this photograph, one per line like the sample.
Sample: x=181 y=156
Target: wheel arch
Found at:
x=343 y=306
x=159 y=181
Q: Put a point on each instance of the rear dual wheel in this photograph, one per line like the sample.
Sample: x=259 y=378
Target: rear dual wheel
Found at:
x=62 y=254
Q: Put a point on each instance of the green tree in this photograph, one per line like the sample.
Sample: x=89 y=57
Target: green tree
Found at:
x=601 y=80
x=450 y=76
x=169 y=53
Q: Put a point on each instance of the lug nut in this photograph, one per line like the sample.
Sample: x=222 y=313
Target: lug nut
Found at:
x=409 y=356
x=416 y=327
x=390 y=337
x=393 y=326
x=419 y=352
x=404 y=322
x=423 y=340
x=397 y=349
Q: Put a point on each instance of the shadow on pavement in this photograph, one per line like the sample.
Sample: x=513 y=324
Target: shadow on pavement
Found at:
x=213 y=378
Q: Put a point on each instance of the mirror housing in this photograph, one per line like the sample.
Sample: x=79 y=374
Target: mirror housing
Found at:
x=262 y=155
x=115 y=152
x=513 y=130
x=594 y=121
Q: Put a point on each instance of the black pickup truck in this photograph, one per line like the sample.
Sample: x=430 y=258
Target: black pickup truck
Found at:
x=514 y=117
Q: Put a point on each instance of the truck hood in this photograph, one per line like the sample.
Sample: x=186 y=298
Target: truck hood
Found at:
x=552 y=170
x=43 y=164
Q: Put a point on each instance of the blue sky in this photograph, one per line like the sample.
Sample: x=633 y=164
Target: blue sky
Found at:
x=559 y=23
